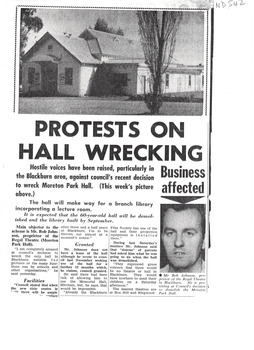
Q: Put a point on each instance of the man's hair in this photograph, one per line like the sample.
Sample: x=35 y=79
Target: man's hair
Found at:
x=181 y=207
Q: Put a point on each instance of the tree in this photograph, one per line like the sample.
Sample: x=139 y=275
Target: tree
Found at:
x=120 y=31
x=102 y=26
x=102 y=84
x=28 y=23
x=158 y=31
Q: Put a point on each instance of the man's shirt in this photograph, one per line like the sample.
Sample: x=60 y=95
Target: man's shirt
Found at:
x=169 y=268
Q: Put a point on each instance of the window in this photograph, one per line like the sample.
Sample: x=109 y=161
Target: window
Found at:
x=37 y=78
x=203 y=80
x=167 y=80
x=50 y=47
x=189 y=80
x=31 y=75
x=68 y=76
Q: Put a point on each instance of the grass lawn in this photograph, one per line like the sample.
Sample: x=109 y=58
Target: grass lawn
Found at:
x=100 y=106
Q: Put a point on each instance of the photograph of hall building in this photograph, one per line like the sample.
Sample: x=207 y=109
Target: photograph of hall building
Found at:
x=64 y=65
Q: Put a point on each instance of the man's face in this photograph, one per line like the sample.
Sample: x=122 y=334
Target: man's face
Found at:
x=182 y=237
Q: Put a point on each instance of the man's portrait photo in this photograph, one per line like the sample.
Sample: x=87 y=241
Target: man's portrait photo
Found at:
x=182 y=238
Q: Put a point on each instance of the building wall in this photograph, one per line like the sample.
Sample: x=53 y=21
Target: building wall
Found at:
x=65 y=89
x=177 y=82
x=56 y=50
x=26 y=87
x=86 y=77
x=182 y=83
x=143 y=81
x=66 y=61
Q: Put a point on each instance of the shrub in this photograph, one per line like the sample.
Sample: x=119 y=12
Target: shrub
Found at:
x=103 y=81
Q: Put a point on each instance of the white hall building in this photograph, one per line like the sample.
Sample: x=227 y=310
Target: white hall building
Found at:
x=68 y=66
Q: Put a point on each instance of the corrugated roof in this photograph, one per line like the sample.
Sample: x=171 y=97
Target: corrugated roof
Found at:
x=115 y=45
x=77 y=47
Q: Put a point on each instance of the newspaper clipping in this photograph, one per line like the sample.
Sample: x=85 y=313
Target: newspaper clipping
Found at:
x=111 y=179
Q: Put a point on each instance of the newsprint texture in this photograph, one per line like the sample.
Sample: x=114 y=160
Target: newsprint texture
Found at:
x=111 y=177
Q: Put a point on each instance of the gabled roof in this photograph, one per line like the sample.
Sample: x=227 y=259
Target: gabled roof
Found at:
x=114 y=45
x=77 y=47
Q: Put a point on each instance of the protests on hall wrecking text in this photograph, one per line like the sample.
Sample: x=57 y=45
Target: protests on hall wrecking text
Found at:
x=111 y=152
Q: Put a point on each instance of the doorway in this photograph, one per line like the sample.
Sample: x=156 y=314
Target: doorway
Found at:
x=49 y=72
x=143 y=84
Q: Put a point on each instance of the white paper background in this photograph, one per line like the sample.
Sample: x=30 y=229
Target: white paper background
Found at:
x=223 y=318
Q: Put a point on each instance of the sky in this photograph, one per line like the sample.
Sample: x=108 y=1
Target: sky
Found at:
x=189 y=48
